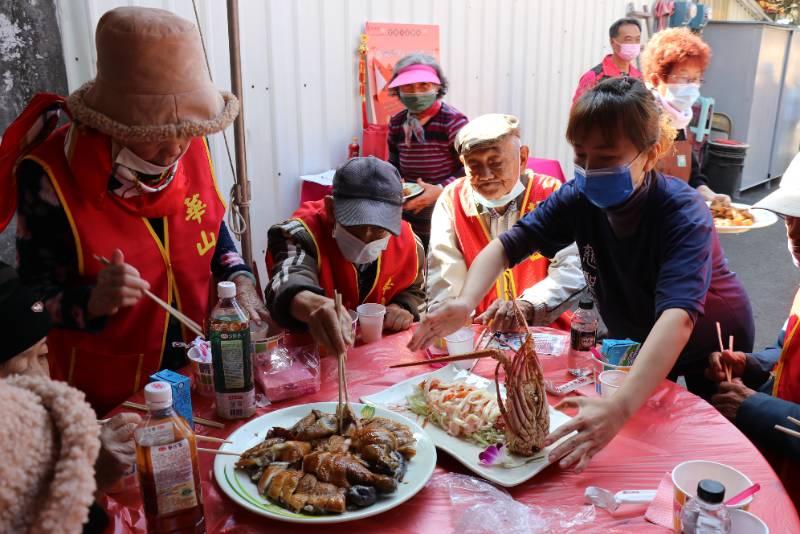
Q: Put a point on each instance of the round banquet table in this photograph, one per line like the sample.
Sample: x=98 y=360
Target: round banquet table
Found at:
x=674 y=426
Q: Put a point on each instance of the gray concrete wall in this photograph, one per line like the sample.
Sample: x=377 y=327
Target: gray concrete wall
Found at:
x=31 y=60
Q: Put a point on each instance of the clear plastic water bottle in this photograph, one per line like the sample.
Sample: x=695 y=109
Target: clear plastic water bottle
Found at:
x=583 y=336
x=706 y=513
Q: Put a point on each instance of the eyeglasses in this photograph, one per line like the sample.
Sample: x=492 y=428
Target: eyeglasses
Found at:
x=678 y=78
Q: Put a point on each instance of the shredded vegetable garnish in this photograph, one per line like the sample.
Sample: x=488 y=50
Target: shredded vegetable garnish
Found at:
x=460 y=410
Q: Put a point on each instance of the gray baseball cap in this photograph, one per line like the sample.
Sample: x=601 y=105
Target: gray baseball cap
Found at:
x=368 y=191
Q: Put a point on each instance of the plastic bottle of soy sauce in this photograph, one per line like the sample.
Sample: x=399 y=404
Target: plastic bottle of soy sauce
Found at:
x=166 y=460
x=583 y=336
x=229 y=327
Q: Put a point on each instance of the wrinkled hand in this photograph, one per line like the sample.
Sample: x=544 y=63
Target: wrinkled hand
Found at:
x=427 y=198
x=451 y=316
x=717 y=361
x=117 y=449
x=248 y=297
x=330 y=329
x=730 y=397
x=502 y=311
x=598 y=420
x=118 y=285
x=721 y=197
x=397 y=318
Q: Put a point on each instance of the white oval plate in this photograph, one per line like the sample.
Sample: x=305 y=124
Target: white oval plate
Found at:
x=241 y=490
x=411 y=190
x=463 y=450
x=763 y=218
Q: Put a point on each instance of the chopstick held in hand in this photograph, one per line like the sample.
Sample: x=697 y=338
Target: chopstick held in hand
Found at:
x=187 y=321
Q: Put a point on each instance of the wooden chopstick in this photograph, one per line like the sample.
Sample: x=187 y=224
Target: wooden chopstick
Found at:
x=728 y=369
x=198 y=437
x=201 y=420
x=187 y=321
x=788 y=431
x=793 y=420
x=722 y=349
x=458 y=358
x=217 y=451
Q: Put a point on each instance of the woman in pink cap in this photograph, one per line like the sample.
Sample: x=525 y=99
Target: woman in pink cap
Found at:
x=421 y=136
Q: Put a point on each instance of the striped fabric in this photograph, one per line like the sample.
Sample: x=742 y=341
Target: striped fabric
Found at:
x=435 y=161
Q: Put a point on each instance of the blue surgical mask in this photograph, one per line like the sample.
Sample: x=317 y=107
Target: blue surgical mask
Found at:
x=606 y=188
x=682 y=96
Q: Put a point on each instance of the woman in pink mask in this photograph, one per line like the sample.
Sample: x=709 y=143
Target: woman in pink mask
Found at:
x=674 y=63
x=421 y=136
x=624 y=36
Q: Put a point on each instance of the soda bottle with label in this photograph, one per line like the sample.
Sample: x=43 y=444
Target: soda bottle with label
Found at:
x=229 y=326
x=166 y=460
x=583 y=336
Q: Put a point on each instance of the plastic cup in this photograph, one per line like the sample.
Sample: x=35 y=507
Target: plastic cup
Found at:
x=202 y=372
x=610 y=382
x=370 y=320
x=461 y=341
x=686 y=475
x=746 y=523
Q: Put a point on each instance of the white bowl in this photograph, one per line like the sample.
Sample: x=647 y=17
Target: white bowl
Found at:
x=686 y=475
x=746 y=523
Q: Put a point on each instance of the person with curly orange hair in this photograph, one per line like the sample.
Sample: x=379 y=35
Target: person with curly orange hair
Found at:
x=673 y=65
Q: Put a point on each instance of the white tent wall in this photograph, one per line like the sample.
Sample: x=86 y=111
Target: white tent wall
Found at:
x=300 y=68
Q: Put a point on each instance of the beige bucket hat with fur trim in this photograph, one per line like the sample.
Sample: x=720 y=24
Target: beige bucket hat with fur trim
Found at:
x=152 y=82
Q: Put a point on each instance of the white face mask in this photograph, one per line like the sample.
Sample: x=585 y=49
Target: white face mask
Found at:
x=682 y=95
x=355 y=250
x=505 y=199
x=129 y=159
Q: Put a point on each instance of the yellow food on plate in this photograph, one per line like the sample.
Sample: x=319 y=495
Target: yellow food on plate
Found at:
x=726 y=215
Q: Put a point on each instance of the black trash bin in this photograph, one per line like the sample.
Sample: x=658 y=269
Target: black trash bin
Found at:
x=724 y=163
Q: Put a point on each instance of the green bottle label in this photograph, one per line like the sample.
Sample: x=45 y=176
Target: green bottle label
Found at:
x=233 y=364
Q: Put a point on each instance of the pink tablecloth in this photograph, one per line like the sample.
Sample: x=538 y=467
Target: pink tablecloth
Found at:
x=672 y=427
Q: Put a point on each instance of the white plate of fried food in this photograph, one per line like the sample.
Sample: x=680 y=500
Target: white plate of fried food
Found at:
x=298 y=467
x=411 y=190
x=470 y=432
x=736 y=218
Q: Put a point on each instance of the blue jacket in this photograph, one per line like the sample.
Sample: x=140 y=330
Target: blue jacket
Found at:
x=759 y=413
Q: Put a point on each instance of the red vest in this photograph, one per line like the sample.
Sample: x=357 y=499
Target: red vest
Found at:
x=111 y=365
x=787 y=372
x=473 y=236
x=397 y=265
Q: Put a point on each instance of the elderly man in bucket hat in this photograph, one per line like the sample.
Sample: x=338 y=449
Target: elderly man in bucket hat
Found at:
x=128 y=178
x=354 y=242
x=495 y=194
x=765 y=389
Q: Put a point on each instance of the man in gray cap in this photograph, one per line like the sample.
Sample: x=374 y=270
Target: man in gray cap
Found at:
x=765 y=385
x=495 y=193
x=354 y=242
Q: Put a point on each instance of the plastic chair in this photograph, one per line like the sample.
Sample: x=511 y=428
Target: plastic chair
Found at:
x=703 y=127
x=550 y=167
x=721 y=126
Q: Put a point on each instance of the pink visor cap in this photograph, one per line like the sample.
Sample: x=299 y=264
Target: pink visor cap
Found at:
x=415 y=74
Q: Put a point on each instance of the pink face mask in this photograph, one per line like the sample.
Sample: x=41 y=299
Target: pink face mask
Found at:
x=629 y=51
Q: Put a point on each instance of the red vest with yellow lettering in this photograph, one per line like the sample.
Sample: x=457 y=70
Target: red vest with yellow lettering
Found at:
x=396 y=269
x=473 y=236
x=114 y=363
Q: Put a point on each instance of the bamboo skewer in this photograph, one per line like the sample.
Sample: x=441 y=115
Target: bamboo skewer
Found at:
x=458 y=358
x=201 y=420
x=788 y=431
x=187 y=321
x=217 y=451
